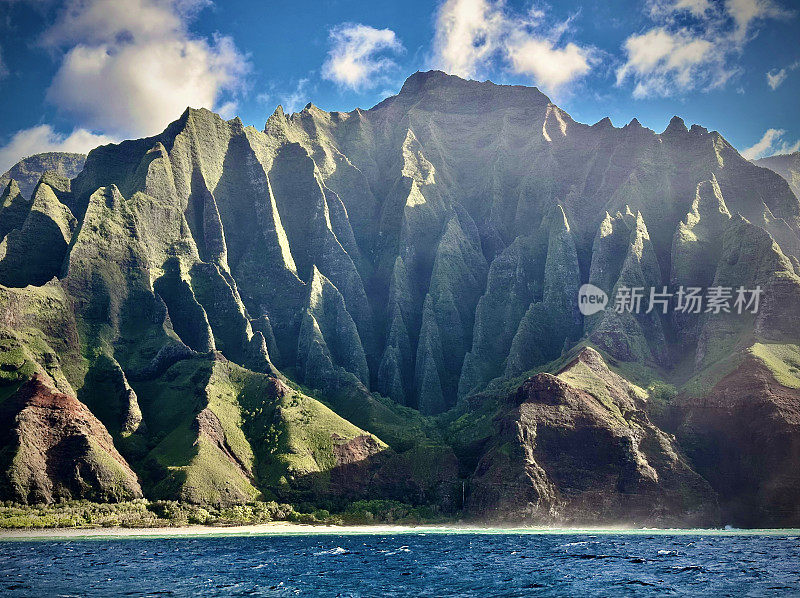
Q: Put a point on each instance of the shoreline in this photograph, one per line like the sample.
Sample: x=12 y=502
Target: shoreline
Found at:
x=293 y=529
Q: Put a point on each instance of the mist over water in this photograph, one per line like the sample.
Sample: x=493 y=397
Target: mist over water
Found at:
x=414 y=564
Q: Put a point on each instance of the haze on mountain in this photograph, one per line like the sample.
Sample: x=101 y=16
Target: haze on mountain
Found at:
x=30 y=169
x=383 y=304
x=786 y=165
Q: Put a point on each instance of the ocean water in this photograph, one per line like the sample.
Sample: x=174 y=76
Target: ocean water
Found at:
x=407 y=564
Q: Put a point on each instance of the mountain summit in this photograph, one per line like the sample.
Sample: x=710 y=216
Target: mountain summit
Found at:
x=282 y=312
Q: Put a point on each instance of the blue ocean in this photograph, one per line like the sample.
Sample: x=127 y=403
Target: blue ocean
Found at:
x=407 y=564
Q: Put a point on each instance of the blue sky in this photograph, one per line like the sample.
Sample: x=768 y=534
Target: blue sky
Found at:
x=77 y=73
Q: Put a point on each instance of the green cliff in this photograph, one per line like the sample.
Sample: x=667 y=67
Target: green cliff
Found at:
x=383 y=304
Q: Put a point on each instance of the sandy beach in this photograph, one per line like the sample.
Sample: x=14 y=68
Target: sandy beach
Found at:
x=276 y=528
x=283 y=528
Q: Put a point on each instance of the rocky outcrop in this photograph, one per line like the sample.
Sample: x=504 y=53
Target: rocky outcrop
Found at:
x=108 y=394
x=53 y=448
x=744 y=437
x=456 y=282
x=329 y=338
x=554 y=322
x=14 y=208
x=34 y=252
x=629 y=333
x=750 y=259
x=696 y=250
x=232 y=333
x=514 y=283
x=578 y=447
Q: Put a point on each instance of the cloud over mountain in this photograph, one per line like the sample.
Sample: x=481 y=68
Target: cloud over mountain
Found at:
x=471 y=34
x=43 y=138
x=772 y=142
x=126 y=68
x=359 y=55
x=102 y=80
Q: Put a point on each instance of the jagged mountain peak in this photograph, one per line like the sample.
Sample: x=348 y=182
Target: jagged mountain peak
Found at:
x=428 y=79
x=195 y=117
x=430 y=249
x=443 y=89
x=11 y=189
x=604 y=123
x=675 y=126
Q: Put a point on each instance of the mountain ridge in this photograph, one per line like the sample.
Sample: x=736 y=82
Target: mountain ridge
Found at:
x=400 y=263
x=29 y=170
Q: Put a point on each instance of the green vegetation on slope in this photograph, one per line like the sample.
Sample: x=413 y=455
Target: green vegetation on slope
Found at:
x=783 y=360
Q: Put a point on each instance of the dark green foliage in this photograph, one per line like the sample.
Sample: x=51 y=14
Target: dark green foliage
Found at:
x=142 y=513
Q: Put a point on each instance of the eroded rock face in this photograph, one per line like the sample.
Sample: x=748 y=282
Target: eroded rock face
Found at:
x=744 y=437
x=455 y=220
x=33 y=253
x=429 y=249
x=53 y=449
x=577 y=448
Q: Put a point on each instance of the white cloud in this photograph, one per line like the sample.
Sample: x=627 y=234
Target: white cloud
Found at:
x=698 y=8
x=662 y=62
x=468 y=33
x=776 y=77
x=358 y=55
x=746 y=12
x=132 y=67
x=97 y=22
x=227 y=110
x=471 y=34
x=42 y=138
x=770 y=144
x=694 y=45
x=550 y=67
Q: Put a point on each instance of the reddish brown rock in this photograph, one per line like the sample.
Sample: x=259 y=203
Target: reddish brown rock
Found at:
x=52 y=448
x=744 y=437
x=563 y=455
